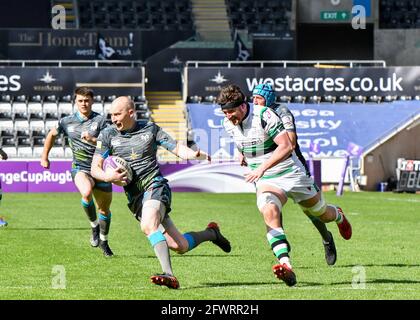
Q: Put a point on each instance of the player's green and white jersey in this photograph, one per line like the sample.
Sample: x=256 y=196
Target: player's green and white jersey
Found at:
x=254 y=137
x=138 y=147
x=72 y=126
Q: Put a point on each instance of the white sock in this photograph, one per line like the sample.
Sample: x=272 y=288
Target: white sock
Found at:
x=286 y=260
x=103 y=237
x=93 y=224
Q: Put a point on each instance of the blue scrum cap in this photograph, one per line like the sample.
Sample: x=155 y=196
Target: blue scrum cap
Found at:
x=266 y=91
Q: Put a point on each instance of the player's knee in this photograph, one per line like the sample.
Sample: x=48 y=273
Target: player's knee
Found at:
x=318 y=210
x=267 y=203
x=86 y=194
x=180 y=248
x=145 y=228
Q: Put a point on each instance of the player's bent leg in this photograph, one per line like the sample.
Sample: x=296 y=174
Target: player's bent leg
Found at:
x=175 y=239
x=182 y=243
x=84 y=183
x=317 y=207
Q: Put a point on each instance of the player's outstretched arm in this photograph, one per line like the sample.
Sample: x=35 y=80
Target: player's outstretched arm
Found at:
x=49 y=142
x=187 y=153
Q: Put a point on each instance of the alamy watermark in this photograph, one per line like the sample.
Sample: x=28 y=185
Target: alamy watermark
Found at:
x=58 y=20
x=58 y=280
x=359 y=19
x=359 y=277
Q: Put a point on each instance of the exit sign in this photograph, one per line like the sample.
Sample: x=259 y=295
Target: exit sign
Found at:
x=335 y=15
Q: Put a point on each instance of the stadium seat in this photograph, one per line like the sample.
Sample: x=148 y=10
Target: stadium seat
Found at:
x=24 y=152
x=50 y=110
x=299 y=99
x=314 y=99
x=8 y=142
x=65 y=109
x=374 y=99
x=37 y=151
x=35 y=110
x=285 y=99
x=22 y=128
x=23 y=142
x=359 y=98
x=7 y=128
x=344 y=98
x=210 y=99
x=194 y=99
x=11 y=151
x=38 y=141
x=329 y=99
x=19 y=110
x=49 y=124
x=98 y=107
x=57 y=152
x=37 y=128
x=390 y=98
x=5 y=111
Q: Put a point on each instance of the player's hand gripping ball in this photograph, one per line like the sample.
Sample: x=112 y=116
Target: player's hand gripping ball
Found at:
x=114 y=162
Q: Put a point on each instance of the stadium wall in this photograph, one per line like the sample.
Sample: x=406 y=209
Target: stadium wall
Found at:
x=380 y=163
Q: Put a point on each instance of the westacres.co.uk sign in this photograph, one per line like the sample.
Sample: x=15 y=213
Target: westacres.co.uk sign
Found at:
x=306 y=81
x=62 y=81
x=78 y=44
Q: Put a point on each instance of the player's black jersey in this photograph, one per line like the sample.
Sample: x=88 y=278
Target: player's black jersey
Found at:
x=138 y=147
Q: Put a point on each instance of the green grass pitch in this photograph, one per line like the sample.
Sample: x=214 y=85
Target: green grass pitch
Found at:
x=48 y=236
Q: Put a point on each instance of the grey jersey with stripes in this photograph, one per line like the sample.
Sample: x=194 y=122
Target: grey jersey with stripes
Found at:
x=138 y=147
x=72 y=126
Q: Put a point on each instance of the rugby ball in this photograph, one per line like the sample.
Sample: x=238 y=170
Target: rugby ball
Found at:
x=114 y=162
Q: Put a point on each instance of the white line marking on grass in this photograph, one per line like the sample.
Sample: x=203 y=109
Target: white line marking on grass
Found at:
x=394 y=199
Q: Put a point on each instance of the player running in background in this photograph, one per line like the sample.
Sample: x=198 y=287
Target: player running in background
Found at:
x=276 y=171
x=82 y=129
x=148 y=194
x=264 y=95
x=3 y=222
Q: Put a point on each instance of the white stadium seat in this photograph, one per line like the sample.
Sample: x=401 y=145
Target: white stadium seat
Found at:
x=11 y=151
x=57 y=152
x=19 y=110
x=5 y=110
x=65 y=109
x=50 y=110
x=35 y=110
x=98 y=107
x=24 y=152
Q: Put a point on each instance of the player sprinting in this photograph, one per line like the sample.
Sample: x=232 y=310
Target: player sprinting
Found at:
x=264 y=95
x=148 y=194
x=82 y=129
x=3 y=222
x=276 y=171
